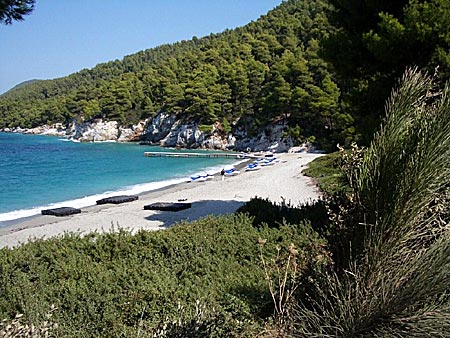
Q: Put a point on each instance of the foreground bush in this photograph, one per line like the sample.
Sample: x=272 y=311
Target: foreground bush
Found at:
x=274 y=215
x=392 y=279
x=204 y=276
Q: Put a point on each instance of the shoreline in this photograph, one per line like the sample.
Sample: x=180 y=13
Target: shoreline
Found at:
x=81 y=200
x=282 y=181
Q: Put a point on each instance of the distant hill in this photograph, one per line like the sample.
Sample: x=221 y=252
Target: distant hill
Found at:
x=20 y=85
x=247 y=78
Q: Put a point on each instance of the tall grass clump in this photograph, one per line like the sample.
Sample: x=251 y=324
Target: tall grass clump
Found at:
x=392 y=279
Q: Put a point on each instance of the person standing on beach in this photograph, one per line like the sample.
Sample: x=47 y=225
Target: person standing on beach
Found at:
x=222 y=172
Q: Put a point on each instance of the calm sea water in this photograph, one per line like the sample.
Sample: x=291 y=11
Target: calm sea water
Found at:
x=42 y=171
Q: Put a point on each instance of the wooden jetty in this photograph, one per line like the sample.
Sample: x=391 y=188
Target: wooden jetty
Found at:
x=201 y=155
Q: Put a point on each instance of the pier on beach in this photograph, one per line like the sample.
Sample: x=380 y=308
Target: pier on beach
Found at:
x=202 y=155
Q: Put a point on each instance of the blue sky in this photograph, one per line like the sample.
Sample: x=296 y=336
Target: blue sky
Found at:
x=64 y=36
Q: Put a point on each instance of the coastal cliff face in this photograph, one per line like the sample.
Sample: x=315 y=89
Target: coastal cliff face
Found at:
x=90 y=131
x=57 y=129
x=101 y=131
x=165 y=130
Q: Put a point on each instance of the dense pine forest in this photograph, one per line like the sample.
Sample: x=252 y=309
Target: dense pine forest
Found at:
x=250 y=76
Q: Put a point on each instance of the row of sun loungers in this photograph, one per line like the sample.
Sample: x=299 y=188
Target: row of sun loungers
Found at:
x=232 y=171
x=256 y=165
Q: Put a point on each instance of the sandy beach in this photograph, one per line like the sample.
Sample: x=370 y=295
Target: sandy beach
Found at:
x=280 y=181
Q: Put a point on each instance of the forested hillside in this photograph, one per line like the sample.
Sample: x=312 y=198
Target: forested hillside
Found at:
x=325 y=66
x=250 y=76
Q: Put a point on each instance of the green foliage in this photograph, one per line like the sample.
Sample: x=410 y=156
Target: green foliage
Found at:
x=205 y=128
x=327 y=172
x=118 y=284
x=295 y=133
x=226 y=126
x=11 y=10
x=391 y=280
x=251 y=76
x=266 y=213
x=375 y=41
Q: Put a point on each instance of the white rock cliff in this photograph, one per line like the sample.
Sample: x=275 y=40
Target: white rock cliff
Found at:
x=165 y=130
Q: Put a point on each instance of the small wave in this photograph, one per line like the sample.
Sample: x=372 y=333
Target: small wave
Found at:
x=105 y=141
x=73 y=140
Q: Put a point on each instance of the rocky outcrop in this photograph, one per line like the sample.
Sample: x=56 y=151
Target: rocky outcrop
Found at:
x=184 y=136
x=164 y=129
x=134 y=133
x=159 y=127
x=167 y=131
x=101 y=131
x=268 y=138
x=57 y=129
x=96 y=131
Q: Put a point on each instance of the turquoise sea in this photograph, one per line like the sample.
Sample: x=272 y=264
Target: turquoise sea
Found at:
x=38 y=172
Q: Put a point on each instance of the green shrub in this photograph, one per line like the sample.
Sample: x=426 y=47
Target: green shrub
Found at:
x=226 y=125
x=118 y=284
x=295 y=133
x=327 y=172
x=274 y=215
x=205 y=128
